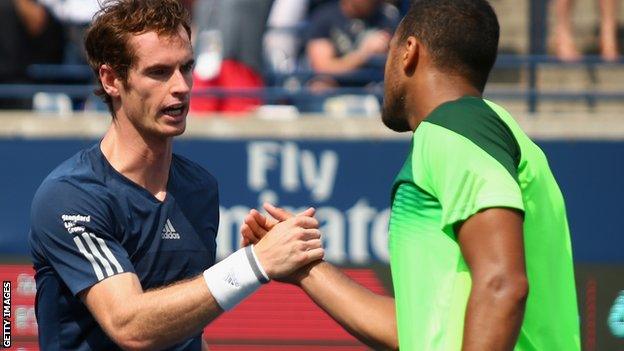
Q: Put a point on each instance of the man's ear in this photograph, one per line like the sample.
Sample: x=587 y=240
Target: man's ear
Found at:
x=110 y=80
x=411 y=55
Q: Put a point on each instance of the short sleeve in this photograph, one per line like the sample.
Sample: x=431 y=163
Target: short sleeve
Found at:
x=73 y=229
x=320 y=24
x=463 y=176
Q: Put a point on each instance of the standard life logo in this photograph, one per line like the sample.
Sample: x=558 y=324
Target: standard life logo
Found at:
x=616 y=316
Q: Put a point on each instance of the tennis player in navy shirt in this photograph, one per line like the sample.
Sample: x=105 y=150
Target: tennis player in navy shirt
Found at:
x=123 y=233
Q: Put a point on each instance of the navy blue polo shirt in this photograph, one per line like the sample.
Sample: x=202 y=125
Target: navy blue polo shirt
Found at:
x=89 y=222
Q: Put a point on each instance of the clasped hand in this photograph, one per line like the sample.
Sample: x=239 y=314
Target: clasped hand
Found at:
x=283 y=243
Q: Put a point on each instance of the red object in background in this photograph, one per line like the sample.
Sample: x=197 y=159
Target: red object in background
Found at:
x=25 y=346
x=282 y=317
x=233 y=75
x=277 y=317
x=23 y=319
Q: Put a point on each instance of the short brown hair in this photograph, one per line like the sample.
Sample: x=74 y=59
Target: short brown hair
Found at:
x=106 y=40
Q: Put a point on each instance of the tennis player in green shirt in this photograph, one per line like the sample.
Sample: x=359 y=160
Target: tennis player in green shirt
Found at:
x=479 y=244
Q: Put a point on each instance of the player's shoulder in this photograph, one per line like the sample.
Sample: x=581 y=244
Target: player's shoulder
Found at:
x=467 y=116
x=74 y=180
x=476 y=121
x=470 y=120
x=192 y=173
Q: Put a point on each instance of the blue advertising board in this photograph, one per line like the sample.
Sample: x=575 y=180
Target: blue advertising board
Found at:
x=347 y=181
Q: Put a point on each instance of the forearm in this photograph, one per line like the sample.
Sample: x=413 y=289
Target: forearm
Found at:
x=493 y=318
x=366 y=315
x=340 y=65
x=167 y=315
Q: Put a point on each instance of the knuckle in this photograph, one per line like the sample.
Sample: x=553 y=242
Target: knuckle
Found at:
x=302 y=257
x=301 y=246
x=300 y=234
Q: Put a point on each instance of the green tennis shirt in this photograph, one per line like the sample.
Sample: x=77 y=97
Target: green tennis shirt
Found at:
x=466 y=156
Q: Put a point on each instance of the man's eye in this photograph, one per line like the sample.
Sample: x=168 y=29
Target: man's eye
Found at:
x=187 y=68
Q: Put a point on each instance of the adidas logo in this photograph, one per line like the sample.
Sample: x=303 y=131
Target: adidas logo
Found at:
x=230 y=278
x=169 y=232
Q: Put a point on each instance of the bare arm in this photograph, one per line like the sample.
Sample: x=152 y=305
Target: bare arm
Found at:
x=323 y=57
x=138 y=320
x=368 y=316
x=145 y=320
x=492 y=245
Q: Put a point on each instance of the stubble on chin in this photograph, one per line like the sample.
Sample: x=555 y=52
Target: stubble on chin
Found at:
x=394 y=115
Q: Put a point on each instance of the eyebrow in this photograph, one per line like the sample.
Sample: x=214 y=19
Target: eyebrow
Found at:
x=156 y=66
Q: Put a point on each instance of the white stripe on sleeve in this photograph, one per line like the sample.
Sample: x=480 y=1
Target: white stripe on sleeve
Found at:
x=89 y=256
x=98 y=255
x=108 y=253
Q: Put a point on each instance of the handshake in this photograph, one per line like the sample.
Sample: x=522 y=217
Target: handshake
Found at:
x=284 y=244
x=287 y=248
x=283 y=247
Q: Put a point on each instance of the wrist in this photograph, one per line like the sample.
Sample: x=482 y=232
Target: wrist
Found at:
x=259 y=270
x=306 y=274
x=233 y=279
x=262 y=260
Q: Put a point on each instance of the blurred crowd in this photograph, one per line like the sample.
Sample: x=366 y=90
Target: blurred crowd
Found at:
x=314 y=46
x=242 y=44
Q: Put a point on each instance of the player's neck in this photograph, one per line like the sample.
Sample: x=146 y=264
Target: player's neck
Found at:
x=435 y=90
x=143 y=160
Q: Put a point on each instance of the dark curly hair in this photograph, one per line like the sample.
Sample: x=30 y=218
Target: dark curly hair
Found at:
x=106 y=40
x=461 y=35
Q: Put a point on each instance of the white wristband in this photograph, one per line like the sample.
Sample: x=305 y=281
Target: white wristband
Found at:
x=265 y=277
x=236 y=277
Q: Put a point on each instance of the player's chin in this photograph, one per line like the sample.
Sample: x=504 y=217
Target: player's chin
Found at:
x=393 y=119
x=172 y=125
x=174 y=130
x=171 y=129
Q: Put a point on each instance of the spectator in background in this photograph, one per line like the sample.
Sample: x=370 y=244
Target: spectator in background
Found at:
x=282 y=40
x=75 y=16
x=345 y=35
x=229 y=51
x=28 y=34
x=566 y=49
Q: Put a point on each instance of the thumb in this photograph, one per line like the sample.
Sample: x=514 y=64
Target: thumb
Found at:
x=278 y=213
